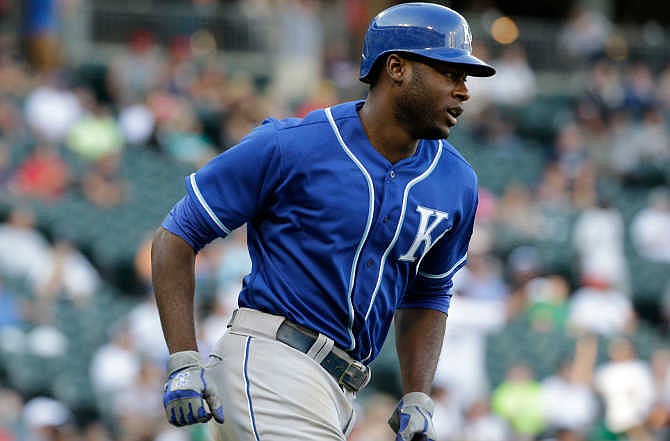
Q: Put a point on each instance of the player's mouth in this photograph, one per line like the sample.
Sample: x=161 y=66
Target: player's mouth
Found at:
x=453 y=113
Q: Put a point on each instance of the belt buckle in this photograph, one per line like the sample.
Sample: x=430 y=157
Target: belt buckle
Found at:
x=352 y=373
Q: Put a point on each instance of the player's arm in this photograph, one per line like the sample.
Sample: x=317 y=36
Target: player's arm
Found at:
x=420 y=321
x=173 y=253
x=221 y=196
x=419 y=334
x=173 y=277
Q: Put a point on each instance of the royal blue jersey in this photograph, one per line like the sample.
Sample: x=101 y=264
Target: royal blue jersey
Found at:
x=339 y=237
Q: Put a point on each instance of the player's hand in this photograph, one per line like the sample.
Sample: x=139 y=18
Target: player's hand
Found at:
x=187 y=389
x=412 y=419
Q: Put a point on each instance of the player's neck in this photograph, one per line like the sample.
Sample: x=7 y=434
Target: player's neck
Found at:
x=385 y=134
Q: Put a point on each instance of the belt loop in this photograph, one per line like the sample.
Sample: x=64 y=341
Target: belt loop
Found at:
x=232 y=318
x=320 y=348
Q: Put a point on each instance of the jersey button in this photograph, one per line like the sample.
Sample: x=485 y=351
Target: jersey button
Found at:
x=392 y=174
x=387 y=218
x=369 y=263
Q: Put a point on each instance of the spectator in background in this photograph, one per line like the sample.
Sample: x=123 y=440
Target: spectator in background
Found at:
x=142 y=265
x=598 y=307
x=645 y=145
x=115 y=367
x=144 y=328
x=40 y=22
x=584 y=35
x=137 y=408
x=182 y=138
x=6 y=170
x=69 y=274
x=12 y=426
x=598 y=239
x=640 y=90
x=514 y=83
x=663 y=93
x=244 y=110
x=51 y=109
x=97 y=134
x=179 y=74
x=461 y=365
x=604 y=87
x=547 y=305
x=517 y=217
x=659 y=419
x=299 y=50
x=323 y=94
x=650 y=228
x=626 y=386
x=481 y=90
x=101 y=184
x=137 y=124
x=136 y=70
x=24 y=252
x=570 y=150
x=96 y=431
x=524 y=266
x=552 y=192
x=208 y=89
x=217 y=317
x=518 y=399
x=371 y=424
x=482 y=425
x=568 y=400
x=13 y=129
x=10 y=308
x=447 y=414
x=48 y=420
x=43 y=175
x=591 y=122
x=15 y=78
x=339 y=67
x=481 y=279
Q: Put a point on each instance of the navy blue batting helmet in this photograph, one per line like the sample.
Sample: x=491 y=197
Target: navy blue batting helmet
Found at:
x=424 y=29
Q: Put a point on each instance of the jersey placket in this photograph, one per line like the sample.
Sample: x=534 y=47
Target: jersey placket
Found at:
x=391 y=186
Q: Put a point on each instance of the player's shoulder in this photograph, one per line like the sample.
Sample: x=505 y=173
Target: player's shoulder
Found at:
x=287 y=125
x=316 y=118
x=456 y=161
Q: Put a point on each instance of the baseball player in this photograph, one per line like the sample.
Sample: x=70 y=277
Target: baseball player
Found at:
x=357 y=215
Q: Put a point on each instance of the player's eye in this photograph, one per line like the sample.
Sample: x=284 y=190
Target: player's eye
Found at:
x=456 y=77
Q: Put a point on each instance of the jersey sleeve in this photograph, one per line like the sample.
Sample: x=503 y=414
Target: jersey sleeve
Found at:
x=431 y=287
x=233 y=187
x=185 y=221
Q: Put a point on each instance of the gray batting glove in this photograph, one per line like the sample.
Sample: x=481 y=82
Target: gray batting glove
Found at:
x=412 y=419
x=187 y=389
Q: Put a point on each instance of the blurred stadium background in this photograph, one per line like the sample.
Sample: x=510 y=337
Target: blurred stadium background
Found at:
x=559 y=328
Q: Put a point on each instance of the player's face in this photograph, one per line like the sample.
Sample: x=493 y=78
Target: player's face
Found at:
x=431 y=102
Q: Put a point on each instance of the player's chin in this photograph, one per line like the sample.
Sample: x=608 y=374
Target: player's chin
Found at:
x=437 y=132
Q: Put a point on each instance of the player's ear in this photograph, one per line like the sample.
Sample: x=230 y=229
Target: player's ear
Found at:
x=397 y=68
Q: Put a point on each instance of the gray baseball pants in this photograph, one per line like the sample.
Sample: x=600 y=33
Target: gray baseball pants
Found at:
x=273 y=392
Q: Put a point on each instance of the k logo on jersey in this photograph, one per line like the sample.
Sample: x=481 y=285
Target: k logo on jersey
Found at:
x=430 y=220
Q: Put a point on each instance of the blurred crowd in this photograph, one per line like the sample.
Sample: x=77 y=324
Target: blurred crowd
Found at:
x=603 y=369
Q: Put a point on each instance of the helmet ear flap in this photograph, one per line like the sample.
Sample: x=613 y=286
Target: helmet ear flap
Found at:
x=373 y=75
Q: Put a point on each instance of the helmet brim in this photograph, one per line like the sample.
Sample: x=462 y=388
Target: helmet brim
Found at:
x=470 y=64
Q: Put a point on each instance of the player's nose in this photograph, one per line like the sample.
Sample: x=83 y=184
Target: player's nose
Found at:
x=461 y=91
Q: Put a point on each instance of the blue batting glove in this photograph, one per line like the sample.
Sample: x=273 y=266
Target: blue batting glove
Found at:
x=412 y=419
x=187 y=389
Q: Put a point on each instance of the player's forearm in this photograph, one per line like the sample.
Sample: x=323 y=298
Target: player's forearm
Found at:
x=419 y=334
x=173 y=277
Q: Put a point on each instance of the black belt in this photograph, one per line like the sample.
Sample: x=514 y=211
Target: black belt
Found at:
x=348 y=372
